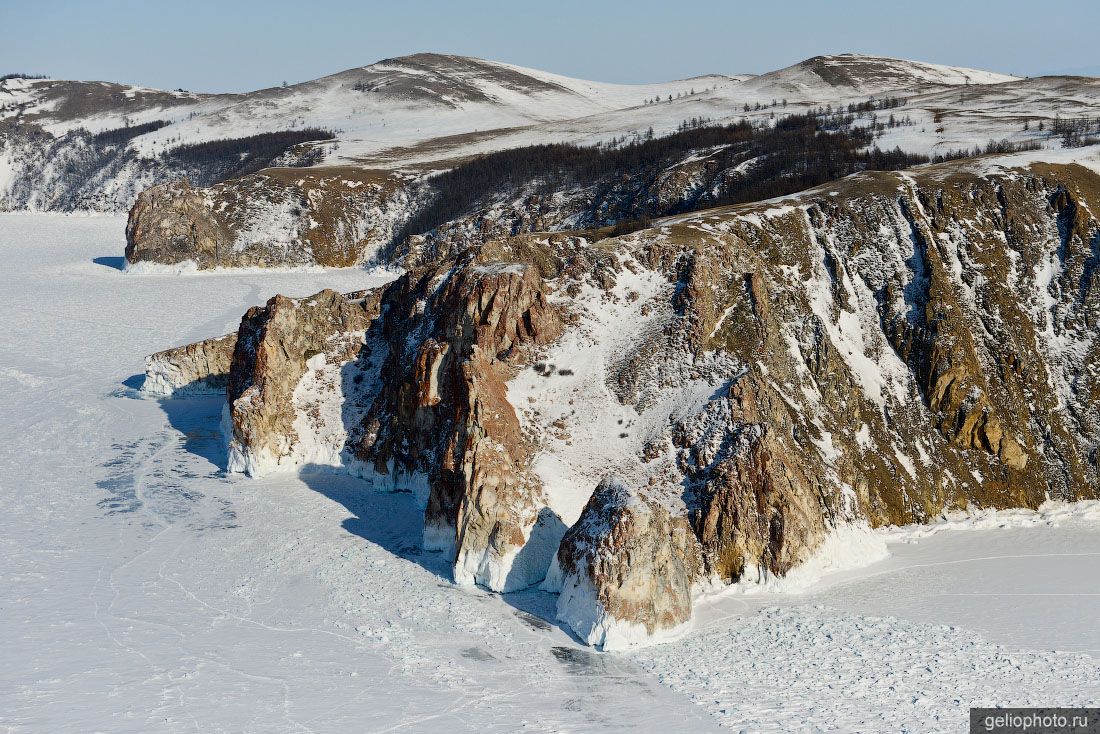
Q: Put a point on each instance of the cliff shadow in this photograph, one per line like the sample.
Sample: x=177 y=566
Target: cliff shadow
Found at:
x=388 y=518
x=196 y=417
x=533 y=606
x=116 y=262
x=392 y=519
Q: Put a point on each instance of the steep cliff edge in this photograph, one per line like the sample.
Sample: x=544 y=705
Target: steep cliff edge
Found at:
x=624 y=572
x=754 y=378
x=455 y=335
x=339 y=216
x=293 y=217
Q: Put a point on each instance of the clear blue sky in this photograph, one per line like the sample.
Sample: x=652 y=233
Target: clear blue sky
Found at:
x=235 y=45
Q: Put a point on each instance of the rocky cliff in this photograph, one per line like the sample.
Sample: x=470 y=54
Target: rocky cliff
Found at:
x=289 y=217
x=202 y=367
x=624 y=572
x=271 y=417
x=455 y=335
x=342 y=215
x=752 y=379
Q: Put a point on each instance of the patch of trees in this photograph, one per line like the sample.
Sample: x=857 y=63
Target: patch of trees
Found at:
x=65 y=172
x=217 y=160
x=123 y=135
x=1075 y=131
x=692 y=124
x=306 y=158
x=763 y=106
x=872 y=104
x=997 y=147
x=797 y=152
x=5 y=77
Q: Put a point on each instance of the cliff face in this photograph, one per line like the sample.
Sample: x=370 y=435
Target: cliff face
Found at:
x=754 y=378
x=415 y=398
x=193 y=369
x=269 y=421
x=625 y=570
x=454 y=336
x=342 y=216
x=332 y=217
x=914 y=343
x=490 y=198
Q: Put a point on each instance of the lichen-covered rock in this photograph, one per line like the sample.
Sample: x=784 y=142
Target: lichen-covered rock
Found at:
x=193 y=369
x=276 y=345
x=909 y=346
x=625 y=570
x=891 y=347
x=280 y=217
x=757 y=501
x=173 y=224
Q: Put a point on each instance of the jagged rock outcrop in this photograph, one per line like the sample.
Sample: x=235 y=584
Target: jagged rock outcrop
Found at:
x=433 y=414
x=199 y=368
x=908 y=344
x=280 y=217
x=624 y=571
x=172 y=223
x=874 y=352
x=455 y=334
x=276 y=346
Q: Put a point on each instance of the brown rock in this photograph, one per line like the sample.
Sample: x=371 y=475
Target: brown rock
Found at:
x=202 y=367
x=625 y=569
x=454 y=334
x=273 y=345
x=171 y=224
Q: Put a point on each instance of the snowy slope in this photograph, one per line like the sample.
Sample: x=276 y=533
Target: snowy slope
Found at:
x=409 y=101
x=427 y=110
x=822 y=77
x=396 y=102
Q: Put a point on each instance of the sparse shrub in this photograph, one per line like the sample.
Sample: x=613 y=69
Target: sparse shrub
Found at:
x=22 y=76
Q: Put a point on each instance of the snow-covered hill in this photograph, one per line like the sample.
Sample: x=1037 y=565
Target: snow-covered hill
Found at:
x=820 y=77
x=426 y=110
x=393 y=104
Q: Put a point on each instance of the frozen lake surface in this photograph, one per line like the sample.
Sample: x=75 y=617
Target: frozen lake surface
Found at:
x=141 y=589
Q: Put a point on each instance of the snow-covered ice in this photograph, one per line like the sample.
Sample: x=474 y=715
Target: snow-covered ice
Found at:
x=144 y=589
x=1003 y=614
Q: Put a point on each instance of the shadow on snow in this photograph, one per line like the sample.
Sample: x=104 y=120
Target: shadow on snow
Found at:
x=390 y=519
x=112 y=262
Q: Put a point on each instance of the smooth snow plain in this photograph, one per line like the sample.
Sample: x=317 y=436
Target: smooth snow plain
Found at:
x=144 y=589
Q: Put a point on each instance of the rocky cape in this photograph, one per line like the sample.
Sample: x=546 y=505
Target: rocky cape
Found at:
x=292 y=217
x=637 y=420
